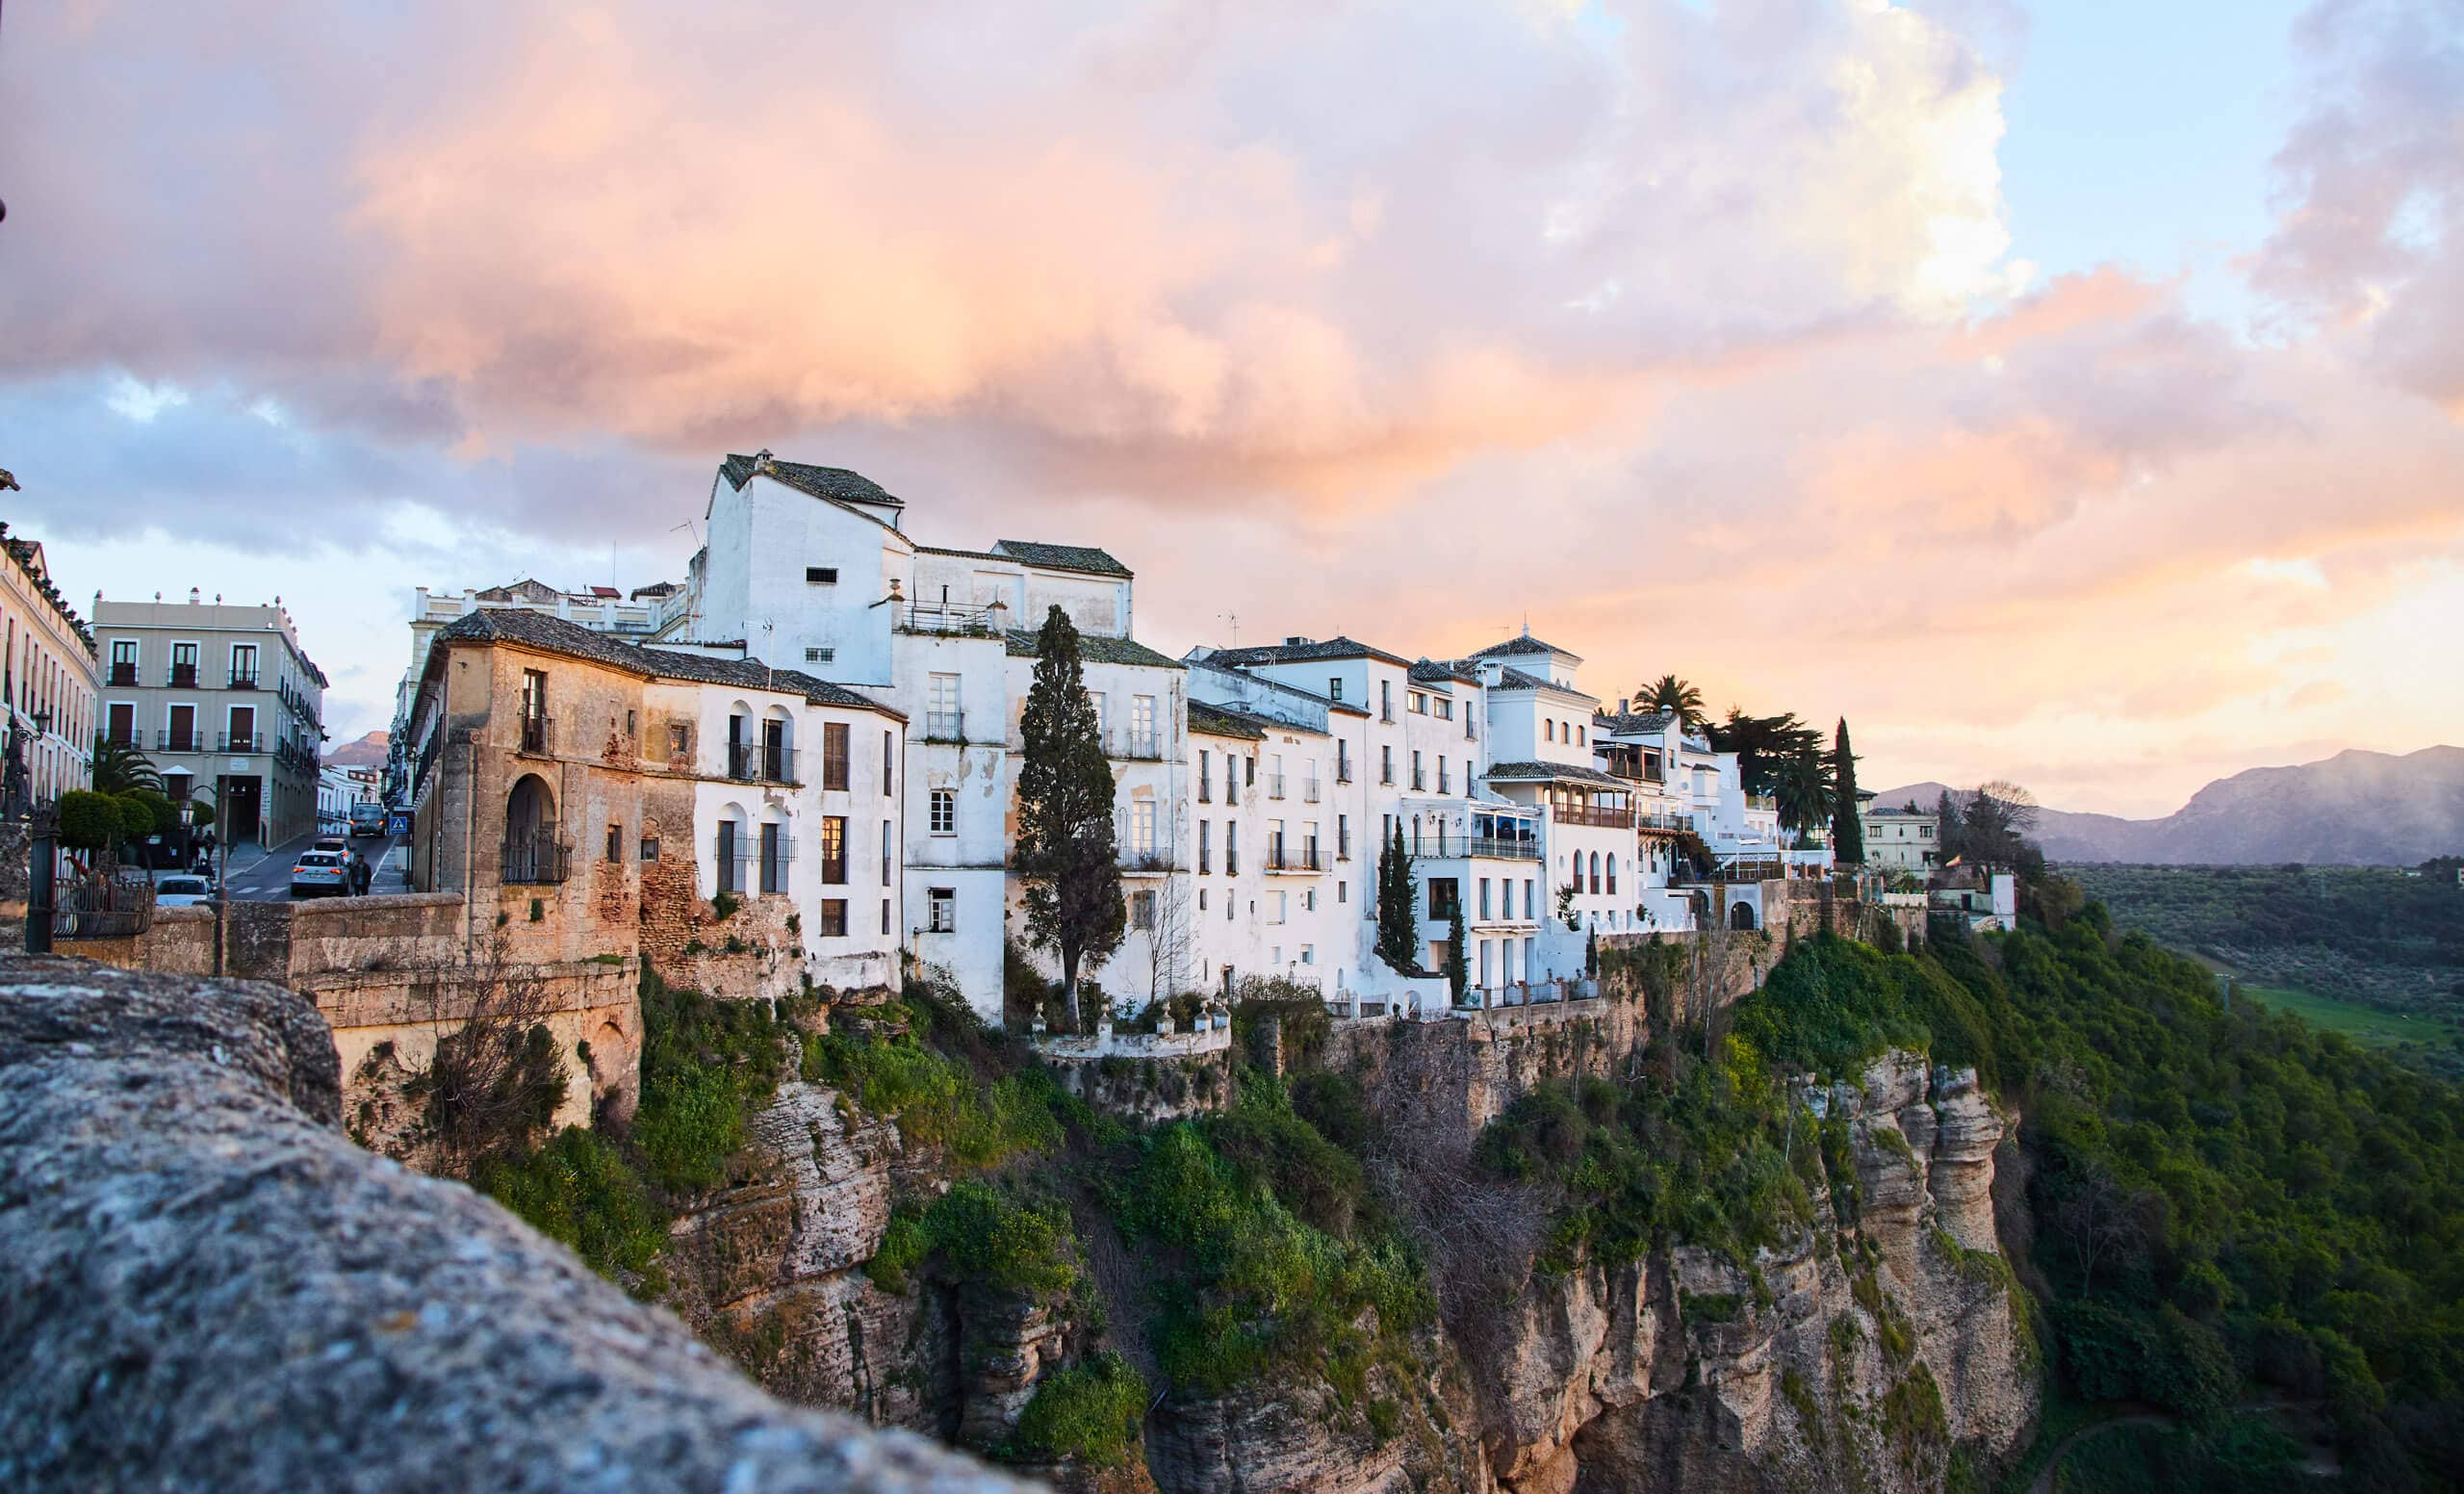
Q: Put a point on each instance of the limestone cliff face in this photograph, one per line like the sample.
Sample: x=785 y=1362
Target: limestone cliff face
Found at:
x=1859 y=1354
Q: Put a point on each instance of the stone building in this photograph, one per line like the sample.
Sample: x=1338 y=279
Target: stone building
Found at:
x=594 y=798
x=46 y=673
x=225 y=701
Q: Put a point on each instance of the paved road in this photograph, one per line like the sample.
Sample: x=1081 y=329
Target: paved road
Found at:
x=267 y=877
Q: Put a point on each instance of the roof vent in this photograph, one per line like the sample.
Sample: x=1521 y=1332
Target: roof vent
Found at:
x=761 y=460
x=1295 y=641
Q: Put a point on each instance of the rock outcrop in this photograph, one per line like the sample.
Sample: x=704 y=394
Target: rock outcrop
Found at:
x=217 y=1290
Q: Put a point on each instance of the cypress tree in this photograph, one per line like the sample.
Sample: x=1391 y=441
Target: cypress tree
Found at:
x=1458 y=975
x=1398 y=908
x=1847 y=830
x=1066 y=852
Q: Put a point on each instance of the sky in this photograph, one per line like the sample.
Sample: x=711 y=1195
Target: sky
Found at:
x=2068 y=393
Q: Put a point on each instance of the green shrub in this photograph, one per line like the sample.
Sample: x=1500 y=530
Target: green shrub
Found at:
x=905 y=1243
x=1089 y=1412
x=579 y=1189
x=984 y=1235
x=90 y=821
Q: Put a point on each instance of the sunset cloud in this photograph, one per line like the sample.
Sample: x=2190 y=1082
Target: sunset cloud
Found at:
x=1700 y=334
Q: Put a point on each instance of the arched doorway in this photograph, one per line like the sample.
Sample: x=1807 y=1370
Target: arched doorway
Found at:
x=1741 y=916
x=531 y=852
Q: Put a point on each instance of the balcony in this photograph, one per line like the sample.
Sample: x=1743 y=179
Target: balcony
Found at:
x=946 y=619
x=183 y=677
x=1305 y=859
x=244 y=679
x=1343 y=772
x=243 y=742
x=1206 y=791
x=1664 y=823
x=537 y=736
x=167 y=740
x=123 y=674
x=1275 y=785
x=760 y=762
x=1146 y=861
x=1135 y=746
x=1309 y=790
x=1593 y=815
x=535 y=859
x=945 y=726
x=1443 y=847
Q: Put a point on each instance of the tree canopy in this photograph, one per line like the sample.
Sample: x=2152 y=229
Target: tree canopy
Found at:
x=1066 y=854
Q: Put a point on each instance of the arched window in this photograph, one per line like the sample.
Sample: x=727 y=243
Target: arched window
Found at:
x=531 y=851
x=1595 y=872
x=1549 y=730
x=1612 y=876
x=732 y=851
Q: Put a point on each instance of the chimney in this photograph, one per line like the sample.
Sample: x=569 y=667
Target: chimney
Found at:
x=1621 y=705
x=1295 y=641
x=761 y=460
x=193 y=596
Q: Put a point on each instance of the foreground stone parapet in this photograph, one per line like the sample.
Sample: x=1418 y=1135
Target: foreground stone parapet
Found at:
x=203 y=1285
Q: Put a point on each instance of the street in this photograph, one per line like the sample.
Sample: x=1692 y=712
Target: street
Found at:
x=267 y=877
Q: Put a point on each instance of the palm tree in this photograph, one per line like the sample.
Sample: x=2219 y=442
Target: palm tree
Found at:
x=119 y=767
x=1804 y=790
x=1671 y=693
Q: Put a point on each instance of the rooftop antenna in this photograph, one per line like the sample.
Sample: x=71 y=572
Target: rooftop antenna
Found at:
x=1234 y=619
x=688 y=528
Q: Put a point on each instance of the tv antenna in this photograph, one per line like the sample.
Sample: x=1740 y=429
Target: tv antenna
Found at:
x=1233 y=620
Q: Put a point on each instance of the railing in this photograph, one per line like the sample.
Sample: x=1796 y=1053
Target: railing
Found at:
x=1275 y=785
x=1759 y=870
x=1146 y=861
x=1137 y=746
x=1343 y=772
x=1417 y=785
x=945 y=726
x=535 y=859
x=948 y=618
x=100 y=908
x=1309 y=790
x=167 y=740
x=244 y=679
x=245 y=741
x=1670 y=822
x=1206 y=791
x=1444 y=848
x=537 y=736
x=1638 y=775
x=1281 y=859
x=183 y=677
x=1602 y=818
x=123 y=674
x=760 y=762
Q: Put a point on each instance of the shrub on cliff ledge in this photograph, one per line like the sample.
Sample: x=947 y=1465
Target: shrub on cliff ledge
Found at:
x=1089 y=1412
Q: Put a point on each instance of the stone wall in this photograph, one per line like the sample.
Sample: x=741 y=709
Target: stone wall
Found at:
x=223 y=1291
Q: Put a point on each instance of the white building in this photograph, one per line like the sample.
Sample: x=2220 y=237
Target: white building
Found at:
x=48 y=673
x=1903 y=839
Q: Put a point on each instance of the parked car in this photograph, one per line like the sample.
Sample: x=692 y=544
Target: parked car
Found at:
x=320 y=872
x=330 y=843
x=182 y=892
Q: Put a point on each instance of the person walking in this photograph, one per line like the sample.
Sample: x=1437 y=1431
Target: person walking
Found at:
x=361 y=874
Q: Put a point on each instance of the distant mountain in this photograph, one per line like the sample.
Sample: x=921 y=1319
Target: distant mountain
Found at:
x=2364 y=809
x=367 y=751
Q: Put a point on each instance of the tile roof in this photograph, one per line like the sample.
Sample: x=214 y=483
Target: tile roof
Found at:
x=1060 y=557
x=1561 y=772
x=1221 y=721
x=1512 y=678
x=1645 y=721
x=541 y=630
x=838 y=484
x=1194 y=660
x=1336 y=647
x=1095 y=649
x=1430 y=671
x=1525 y=644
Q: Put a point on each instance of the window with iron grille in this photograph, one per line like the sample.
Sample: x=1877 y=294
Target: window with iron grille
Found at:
x=773 y=858
x=821 y=575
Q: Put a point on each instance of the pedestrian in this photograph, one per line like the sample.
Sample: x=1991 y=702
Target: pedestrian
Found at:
x=361 y=874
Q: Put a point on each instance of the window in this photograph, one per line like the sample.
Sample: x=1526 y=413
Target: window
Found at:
x=1420 y=704
x=834 y=849
x=1580 y=737
x=890 y=760
x=885 y=843
x=730 y=869
x=1201 y=899
x=1343 y=837
x=942 y=722
x=630 y=724
x=1386 y=764
x=1440 y=776
x=649 y=848
x=1343 y=891
x=1250 y=770
x=885 y=928
x=1612 y=876
x=615 y=842
x=1548 y=731
x=184 y=665
x=123 y=662
x=1467 y=775
x=1595 y=872
x=121 y=722
x=243 y=729
x=1342 y=761
x=1231 y=848
x=1527 y=905
x=1444 y=709
x=818 y=656
x=945 y=812
x=1141 y=726
x=1142 y=827
x=1205 y=846
x=243 y=666
x=1276 y=906
x=941 y=911
x=1443 y=900
x=1334 y=689
x=833 y=754
x=679 y=742
x=1484 y=898
x=1142 y=910
x=821 y=576
x=833 y=917
x=773 y=858
x=1205 y=776
x=1415 y=770
x=1386 y=702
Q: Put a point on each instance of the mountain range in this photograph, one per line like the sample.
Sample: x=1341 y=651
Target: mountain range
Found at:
x=364 y=752
x=2367 y=808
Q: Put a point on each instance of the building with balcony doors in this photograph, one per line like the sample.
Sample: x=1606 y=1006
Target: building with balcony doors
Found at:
x=48 y=674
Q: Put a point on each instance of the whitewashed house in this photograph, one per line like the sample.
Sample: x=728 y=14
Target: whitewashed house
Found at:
x=1905 y=839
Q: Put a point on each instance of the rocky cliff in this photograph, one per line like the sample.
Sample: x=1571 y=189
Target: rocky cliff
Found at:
x=1868 y=1351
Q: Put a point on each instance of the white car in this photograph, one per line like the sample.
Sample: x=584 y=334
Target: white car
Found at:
x=182 y=892
x=320 y=872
